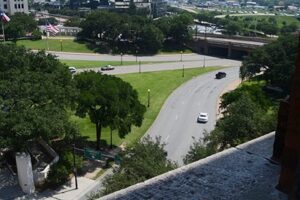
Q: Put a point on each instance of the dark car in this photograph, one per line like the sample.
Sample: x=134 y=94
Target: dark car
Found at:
x=220 y=75
x=107 y=67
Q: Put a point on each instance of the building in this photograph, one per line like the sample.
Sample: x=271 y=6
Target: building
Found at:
x=13 y=6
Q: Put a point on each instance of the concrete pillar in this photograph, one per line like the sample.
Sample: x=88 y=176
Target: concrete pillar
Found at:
x=25 y=174
x=291 y=153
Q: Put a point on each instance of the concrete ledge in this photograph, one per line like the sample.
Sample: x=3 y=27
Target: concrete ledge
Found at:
x=242 y=172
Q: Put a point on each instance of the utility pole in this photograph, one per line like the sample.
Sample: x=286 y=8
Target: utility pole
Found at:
x=74 y=163
x=205 y=46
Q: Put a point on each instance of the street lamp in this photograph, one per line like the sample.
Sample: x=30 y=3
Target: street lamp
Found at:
x=136 y=56
x=181 y=56
x=205 y=46
x=182 y=70
x=121 y=58
x=74 y=162
x=148 y=97
x=140 y=69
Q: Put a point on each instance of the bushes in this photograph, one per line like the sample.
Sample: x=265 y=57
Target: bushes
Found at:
x=60 y=172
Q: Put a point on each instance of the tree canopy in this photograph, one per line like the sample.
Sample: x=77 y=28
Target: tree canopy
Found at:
x=109 y=102
x=145 y=160
x=35 y=90
x=20 y=25
x=276 y=60
x=135 y=33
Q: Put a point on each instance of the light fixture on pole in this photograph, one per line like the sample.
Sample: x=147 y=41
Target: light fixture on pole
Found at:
x=148 y=98
x=121 y=58
x=181 y=56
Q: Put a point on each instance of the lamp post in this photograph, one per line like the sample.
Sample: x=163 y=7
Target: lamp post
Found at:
x=148 y=98
x=182 y=70
x=74 y=163
x=181 y=56
x=136 y=55
x=121 y=58
x=140 y=69
x=61 y=45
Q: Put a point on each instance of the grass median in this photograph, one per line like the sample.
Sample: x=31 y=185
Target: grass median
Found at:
x=161 y=85
x=81 y=64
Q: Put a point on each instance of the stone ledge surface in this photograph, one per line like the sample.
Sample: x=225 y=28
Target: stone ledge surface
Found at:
x=243 y=172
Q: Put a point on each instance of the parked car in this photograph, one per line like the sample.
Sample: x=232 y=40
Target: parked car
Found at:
x=107 y=67
x=220 y=75
x=203 y=117
x=72 y=70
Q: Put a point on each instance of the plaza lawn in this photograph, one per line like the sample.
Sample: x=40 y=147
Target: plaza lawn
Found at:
x=55 y=45
x=161 y=85
x=81 y=64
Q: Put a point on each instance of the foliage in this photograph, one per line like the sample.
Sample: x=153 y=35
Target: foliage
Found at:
x=45 y=21
x=250 y=125
x=73 y=22
x=20 y=25
x=144 y=161
x=276 y=60
x=60 y=172
x=135 y=33
x=109 y=102
x=199 y=150
x=35 y=90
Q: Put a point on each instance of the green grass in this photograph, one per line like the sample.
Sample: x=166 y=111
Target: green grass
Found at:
x=280 y=19
x=161 y=85
x=80 y=64
x=55 y=45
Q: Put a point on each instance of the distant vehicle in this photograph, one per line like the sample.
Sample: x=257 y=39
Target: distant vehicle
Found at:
x=107 y=67
x=203 y=117
x=220 y=75
x=72 y=70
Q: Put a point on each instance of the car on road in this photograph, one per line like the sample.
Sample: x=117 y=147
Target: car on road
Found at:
x=72 y=70
x=202 y=117
x=220 y=75
x=107 y=67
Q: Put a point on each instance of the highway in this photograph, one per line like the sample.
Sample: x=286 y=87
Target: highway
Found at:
x=177 y=120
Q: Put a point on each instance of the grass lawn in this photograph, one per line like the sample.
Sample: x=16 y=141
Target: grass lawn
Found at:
x=280 y=19
x=161 y=85
x=80 y=64
x=54 y=45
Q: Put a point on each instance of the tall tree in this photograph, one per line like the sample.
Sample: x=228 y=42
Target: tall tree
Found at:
x=19 y=25
x=276 y=60
x=35 y=90
x=109 y=102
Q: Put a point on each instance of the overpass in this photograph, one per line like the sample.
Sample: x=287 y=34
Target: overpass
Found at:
x=225 y=46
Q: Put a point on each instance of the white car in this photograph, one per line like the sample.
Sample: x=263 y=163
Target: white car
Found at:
x=72 y=70
x=203 y=117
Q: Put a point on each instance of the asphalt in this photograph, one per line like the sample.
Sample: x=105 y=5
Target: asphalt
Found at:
x=177 y=124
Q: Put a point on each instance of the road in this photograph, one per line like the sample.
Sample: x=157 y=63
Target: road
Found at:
x=169 y=62
x=177 y=120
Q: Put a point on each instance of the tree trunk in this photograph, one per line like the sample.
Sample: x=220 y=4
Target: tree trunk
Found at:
x=98 y=133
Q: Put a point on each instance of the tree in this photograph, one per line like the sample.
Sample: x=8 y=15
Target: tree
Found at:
x=276 y=60
x=19 y=25
x=109 y=102
x=145 y=160
x=35 y=92
x=179 y=29
x=151 y=39
x=233 y=27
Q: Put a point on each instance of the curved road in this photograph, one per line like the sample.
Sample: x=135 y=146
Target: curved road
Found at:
x=177 y=120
